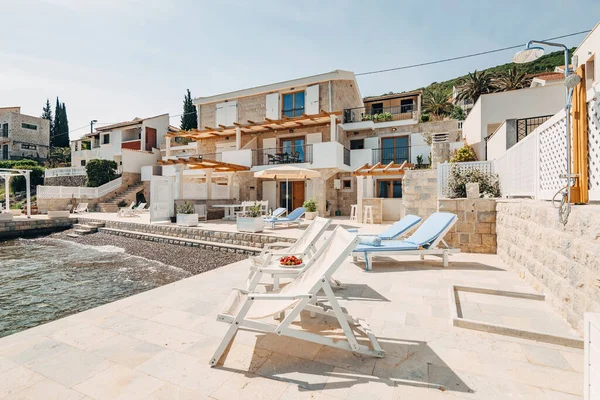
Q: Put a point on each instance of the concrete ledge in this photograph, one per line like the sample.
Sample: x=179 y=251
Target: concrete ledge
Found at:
x=459 y=321
x=227 y=248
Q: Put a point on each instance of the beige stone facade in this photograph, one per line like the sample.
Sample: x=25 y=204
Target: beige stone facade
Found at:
x=563 y=262
x=419 y=192
x=28 y=136
x=475 y=230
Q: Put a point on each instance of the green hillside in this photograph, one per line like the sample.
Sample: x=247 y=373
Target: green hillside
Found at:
x=543 y=64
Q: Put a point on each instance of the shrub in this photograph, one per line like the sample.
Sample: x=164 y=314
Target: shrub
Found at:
x=424 y=117
x=419 y=160
x=464 y=154
x=310 y=205
x=489 y=186
x=457 y=113
x=36 y=176
x=367 y=117
x=185 y=208
x=100 y=172
x=122 y=203
x=254 y=211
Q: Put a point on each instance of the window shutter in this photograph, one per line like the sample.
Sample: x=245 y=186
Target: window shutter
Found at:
x=272 y=108
x=231 y=113
x=221 y=114
x=312 y=100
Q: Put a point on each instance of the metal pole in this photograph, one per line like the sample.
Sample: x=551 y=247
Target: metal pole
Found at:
x=287 y=194
x=6 y=191
x=28 y=194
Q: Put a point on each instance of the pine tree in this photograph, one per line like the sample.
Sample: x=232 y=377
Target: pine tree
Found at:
x=47 y=114
x=56 y=127
x=189 y=119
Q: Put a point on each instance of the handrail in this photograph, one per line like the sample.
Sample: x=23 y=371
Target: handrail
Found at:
x=66 y=192
x=65 y=171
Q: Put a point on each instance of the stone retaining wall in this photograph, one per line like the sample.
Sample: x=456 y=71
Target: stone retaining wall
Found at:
x=419 y=192
x=232 y=238
x=22 y=227
x=73 y=180
x=561 y=261
x=475 y=230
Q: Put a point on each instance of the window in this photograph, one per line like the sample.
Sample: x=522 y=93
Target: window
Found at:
x=389 y=189
x=406 y=106
x=106 y=139
x=292 y=150
x=589 y=73
x=293 y=104
x=29 y=126
x=376 y=108
x=394 y=149
x=5 y=130
x=346 y=183
x=83 y=163
x=25 y=146
x=357 y=144
x=5 y=152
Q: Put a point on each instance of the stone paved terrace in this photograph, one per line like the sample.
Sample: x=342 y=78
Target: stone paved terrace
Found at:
x=157 y=344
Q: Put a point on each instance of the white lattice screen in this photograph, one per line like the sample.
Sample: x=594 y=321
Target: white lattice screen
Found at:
x=594 y=149
x=443 y=173
x=552 y=156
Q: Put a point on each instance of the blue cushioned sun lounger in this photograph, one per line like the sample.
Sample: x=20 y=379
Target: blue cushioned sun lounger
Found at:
x=424 y=241
x=292 y=218
x=398 y=228
x=277 y=213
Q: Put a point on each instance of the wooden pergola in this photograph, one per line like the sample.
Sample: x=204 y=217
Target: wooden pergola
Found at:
x=267 y=125
x=199 y=163
x=380 y=169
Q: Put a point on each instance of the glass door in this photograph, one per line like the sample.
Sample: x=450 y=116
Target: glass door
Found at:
x=293 y=150
x=394 y=149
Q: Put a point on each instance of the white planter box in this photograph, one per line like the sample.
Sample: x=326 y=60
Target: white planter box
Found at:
x=187 y=219
x=58 y=214
x=16 y=213
x=309 y=215
x=6 y=216
x=249 y=224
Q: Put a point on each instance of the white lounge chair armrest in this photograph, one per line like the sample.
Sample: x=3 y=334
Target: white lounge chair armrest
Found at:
x=278 y=244
x=242 y=291
x=284 y=254
x=274 y=296
x=283 y=271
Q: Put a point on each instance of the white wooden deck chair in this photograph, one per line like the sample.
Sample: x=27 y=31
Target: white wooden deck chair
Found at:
x=81 y=208
x=424 y=241
x=249 y=310
x=126 y=211
x=200 y=209
x=304 y=247
x=245 y=205
x=140 y=209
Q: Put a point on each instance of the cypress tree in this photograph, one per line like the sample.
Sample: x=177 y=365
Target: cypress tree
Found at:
x=56 y=128
x=47 y=114
x=64 y=138
x=189 y=119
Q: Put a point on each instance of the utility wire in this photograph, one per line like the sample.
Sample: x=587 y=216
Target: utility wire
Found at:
x=465 y=56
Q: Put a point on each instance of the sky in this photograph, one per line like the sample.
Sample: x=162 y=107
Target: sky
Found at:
x=113 y=60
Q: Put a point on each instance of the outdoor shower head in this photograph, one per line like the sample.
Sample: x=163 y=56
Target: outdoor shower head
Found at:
x=528 y=55
x=572 y=80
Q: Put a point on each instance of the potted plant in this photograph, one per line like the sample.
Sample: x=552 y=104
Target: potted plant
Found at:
x=251 y=220
x=186 y=215
x=311 y=209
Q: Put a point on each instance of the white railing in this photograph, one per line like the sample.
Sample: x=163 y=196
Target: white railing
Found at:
x=219 y=191
x=68 y=171
x=444 y=170
x=517 y=168
x=67 y=192
x=197 y=191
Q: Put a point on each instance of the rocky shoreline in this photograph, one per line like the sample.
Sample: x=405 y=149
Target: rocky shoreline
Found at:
x=192 y=259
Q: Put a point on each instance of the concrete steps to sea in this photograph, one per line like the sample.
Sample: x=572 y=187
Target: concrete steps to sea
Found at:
x=85 y=228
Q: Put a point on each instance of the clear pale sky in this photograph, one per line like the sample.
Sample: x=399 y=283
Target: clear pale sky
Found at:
x=113 y=60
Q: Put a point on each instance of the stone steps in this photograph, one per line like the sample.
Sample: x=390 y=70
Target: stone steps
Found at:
x=85 y=227
x=108 y=207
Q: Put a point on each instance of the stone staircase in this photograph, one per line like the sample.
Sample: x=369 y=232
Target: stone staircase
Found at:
x=112 y=206
x=85 y=228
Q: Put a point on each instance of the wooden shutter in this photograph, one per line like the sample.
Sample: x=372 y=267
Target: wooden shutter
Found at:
x=221 y=114
x=269 y=193
x=311 y=100
x=231 y=113
x=272 y=110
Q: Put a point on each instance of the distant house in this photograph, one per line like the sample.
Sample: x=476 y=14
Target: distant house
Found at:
x=23 y=136
x=108 y=142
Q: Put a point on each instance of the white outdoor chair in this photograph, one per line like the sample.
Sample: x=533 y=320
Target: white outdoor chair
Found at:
x=81 y=208
x=200 y=209
x=249 y=310
x=264 y=207
x=304 y=247
x=126 y=211
x=245 y=205
x=140 y=209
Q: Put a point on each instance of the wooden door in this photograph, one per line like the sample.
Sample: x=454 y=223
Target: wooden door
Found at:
x=150 y=139
x=297 y=194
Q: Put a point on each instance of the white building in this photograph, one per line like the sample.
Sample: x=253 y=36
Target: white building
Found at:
x=585 y=55
x=532 y=105
x=144 y=135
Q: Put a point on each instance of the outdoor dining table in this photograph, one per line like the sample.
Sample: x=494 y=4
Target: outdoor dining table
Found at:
x=229 y=210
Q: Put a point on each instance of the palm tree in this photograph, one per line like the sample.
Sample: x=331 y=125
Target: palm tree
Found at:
x=474 y=85
x=511 y=80
x=436 y=103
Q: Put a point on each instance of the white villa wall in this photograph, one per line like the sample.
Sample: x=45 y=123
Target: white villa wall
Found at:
x=133 y=160
x=496 y=145
x=590 y=49
x=239 y=157
x=358 y=158
x=418 y=146
x=495 y=108
x=161 y=124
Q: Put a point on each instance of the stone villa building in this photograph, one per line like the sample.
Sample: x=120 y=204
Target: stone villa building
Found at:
x=23 y=136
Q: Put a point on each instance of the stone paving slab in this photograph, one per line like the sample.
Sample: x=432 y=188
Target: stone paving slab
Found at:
x=157 y=344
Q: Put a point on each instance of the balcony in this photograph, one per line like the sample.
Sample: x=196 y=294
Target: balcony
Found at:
x=381 y=114
x=283 y=155
x=386 y=155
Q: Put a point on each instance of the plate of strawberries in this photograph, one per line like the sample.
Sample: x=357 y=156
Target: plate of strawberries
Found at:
x=290 y=262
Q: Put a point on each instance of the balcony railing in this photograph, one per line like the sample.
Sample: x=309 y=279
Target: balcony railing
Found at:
x=386 y=155
x=527 y=125
x=283 y=155
x=378 y=114
x=293 y=112
x=346 y=156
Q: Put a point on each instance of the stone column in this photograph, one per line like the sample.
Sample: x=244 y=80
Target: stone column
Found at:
x=440 y=153
x=359 y=197
x=168 y=146
x=370 y=187
x=230 y=185
x=208 y=172
x=238 y=138
x=333 y=134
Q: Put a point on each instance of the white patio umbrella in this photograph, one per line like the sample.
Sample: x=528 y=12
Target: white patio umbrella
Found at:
x=288 y=172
